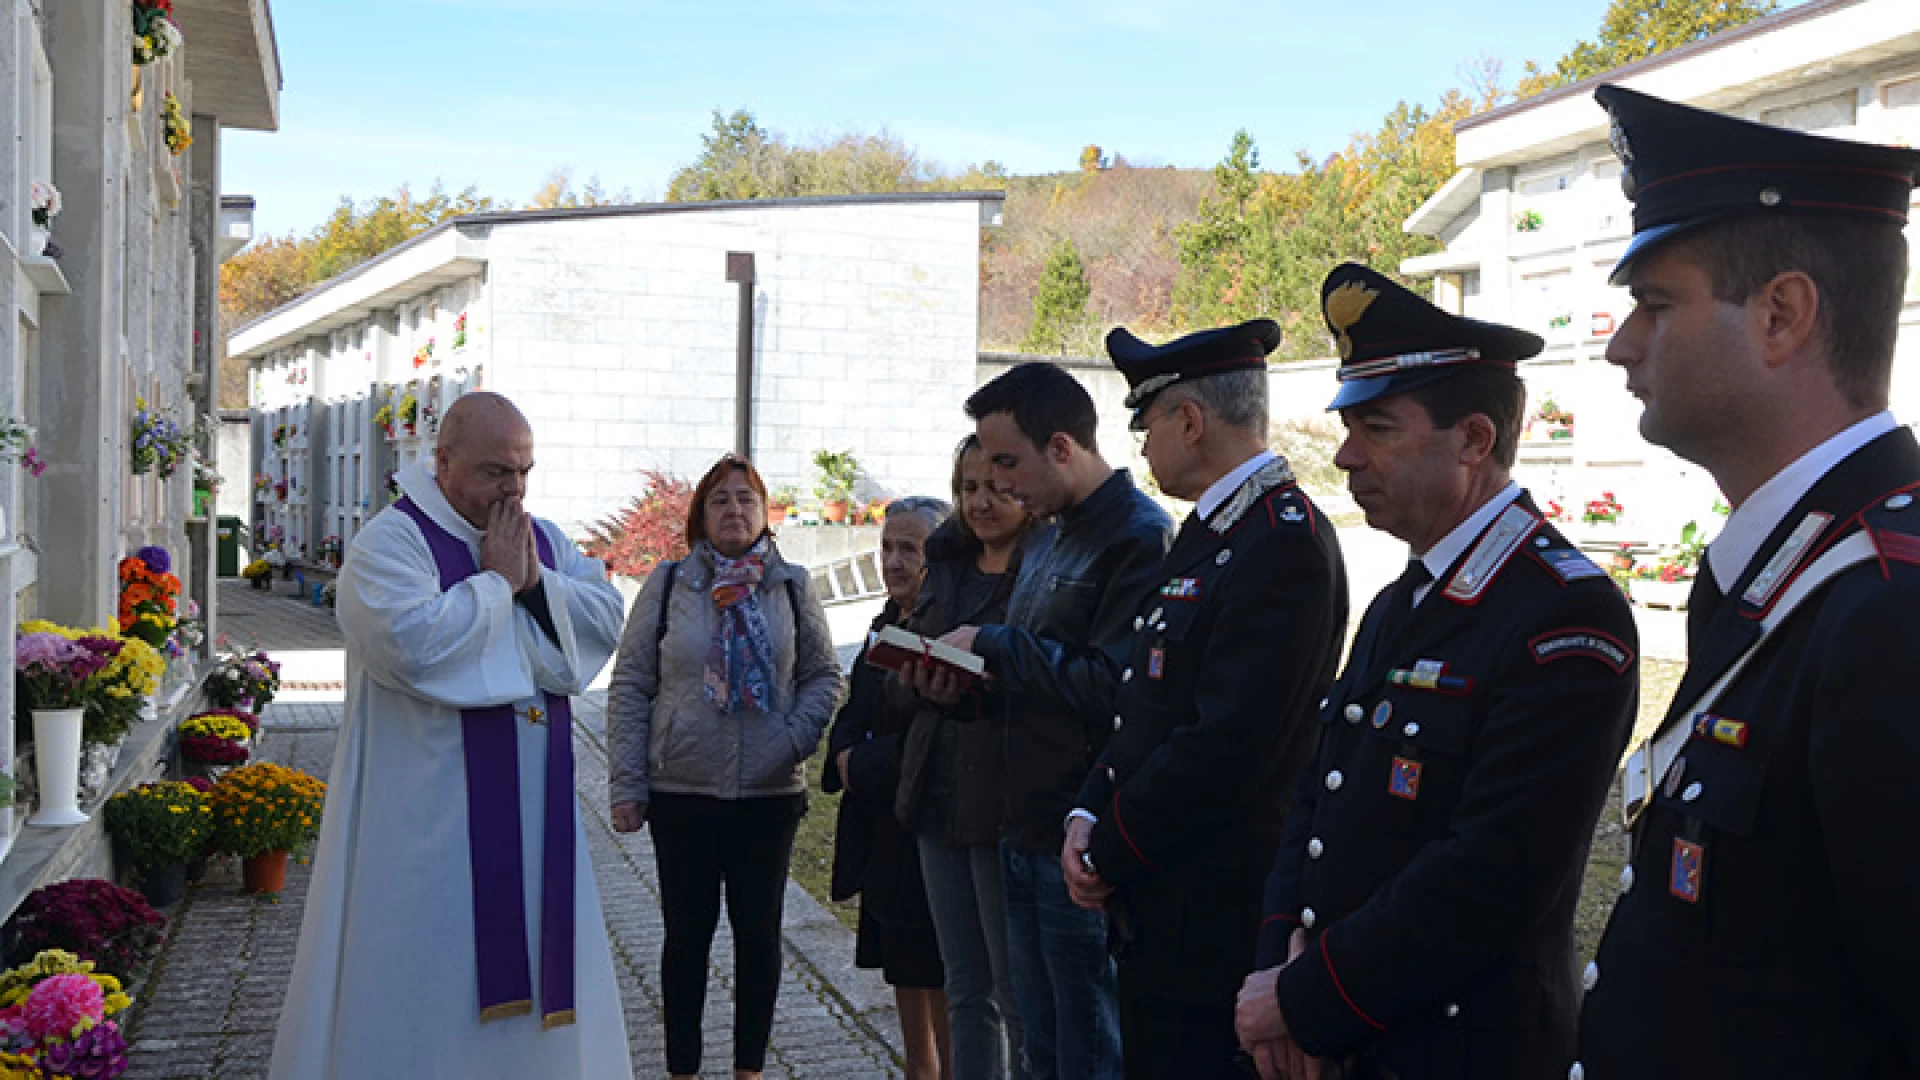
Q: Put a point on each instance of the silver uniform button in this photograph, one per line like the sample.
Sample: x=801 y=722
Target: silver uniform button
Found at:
x=1139 y=621
x=1127 y=675
x=1221 y=559
x=1314 y=848
x=1578 y=1072
x=1334 y=780
x=1109 y=774
x=1162 y=628
x=1308 y=918
x=1541 y=541
x=1590 y=978
x=1769 y=197
x=1900 y=501
x=1692 y=792
x=1412 y=729
x=1626 y=879
x=1453 y=1010
x=1116 y=722
x=1354 y=712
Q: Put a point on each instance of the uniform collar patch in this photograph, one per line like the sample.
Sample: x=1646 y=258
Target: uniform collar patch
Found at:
x=1789 y=556
x=1490 y=555
x=1274 y=474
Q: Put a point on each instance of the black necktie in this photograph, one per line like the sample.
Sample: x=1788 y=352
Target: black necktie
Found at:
x=1398 y=606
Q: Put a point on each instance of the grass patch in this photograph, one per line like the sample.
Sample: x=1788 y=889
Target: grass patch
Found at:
x=1658 y=680
x=813 y=845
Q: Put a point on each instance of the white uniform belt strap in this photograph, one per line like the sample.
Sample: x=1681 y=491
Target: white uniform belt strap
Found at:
x=1649 y=763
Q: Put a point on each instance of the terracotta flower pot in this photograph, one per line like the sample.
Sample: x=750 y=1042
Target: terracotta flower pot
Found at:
x=834 y=511
x=264 y=873
x=776 y=515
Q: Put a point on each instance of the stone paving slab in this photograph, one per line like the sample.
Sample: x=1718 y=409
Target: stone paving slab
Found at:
x=212 y=1002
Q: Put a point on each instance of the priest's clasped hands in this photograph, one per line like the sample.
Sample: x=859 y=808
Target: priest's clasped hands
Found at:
x=1262 y=1029
x=508 y=547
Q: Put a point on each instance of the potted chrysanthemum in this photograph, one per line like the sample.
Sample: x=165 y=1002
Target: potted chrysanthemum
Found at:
x=264 y=812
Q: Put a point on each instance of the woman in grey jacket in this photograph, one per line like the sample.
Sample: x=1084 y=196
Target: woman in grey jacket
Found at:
x=725 y=680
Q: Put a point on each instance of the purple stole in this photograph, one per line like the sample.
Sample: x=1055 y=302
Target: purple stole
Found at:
x=488 y=740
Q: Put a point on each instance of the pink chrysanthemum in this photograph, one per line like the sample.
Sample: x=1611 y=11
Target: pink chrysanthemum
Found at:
x=61 y=1005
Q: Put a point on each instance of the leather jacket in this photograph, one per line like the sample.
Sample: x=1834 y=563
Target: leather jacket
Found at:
x=1057 y=659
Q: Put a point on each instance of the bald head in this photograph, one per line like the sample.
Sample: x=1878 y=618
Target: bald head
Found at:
x=483 y=455
x=481 y=414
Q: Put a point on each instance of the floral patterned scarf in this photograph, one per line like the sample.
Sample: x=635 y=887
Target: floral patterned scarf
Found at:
x=740 y=659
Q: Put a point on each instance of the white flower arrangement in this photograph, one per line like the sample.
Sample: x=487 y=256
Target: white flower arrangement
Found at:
x=45 y=199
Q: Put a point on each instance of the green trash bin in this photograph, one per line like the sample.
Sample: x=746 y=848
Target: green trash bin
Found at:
x=227 y=548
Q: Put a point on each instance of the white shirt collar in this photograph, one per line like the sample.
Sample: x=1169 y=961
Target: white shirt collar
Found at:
x=419 y=484
x=1749 y=526
x=1455 y=544
x=1224 y=487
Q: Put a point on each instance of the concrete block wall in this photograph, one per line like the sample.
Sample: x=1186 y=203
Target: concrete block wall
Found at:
x=617 y=337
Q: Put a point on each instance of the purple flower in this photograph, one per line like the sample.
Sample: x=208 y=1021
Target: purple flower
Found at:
x=45 y=648
x=156 y=558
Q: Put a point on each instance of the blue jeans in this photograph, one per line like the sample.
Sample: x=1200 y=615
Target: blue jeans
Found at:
x=969 y=918
x=1063 y=976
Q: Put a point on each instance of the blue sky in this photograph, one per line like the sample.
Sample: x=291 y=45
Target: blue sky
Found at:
x=497 y=93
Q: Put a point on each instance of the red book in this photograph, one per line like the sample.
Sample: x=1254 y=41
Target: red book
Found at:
x=894 y=648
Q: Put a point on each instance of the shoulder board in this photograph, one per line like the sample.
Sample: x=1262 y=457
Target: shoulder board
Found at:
x=1894 y=524
x=1569 y=564
x=1490 y=554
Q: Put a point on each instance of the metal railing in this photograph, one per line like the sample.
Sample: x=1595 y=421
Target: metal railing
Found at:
x=849 y=579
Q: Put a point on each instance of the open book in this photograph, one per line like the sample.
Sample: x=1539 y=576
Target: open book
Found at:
x=893 y=648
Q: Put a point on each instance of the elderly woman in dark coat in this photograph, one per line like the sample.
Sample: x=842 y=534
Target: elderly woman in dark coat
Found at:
x=873 y=855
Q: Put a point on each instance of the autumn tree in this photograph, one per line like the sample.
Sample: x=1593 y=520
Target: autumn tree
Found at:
x=558 y=192
x=738 y=160
x=1636 y=29
x=270 y=272
x=1093 y=159
x=356 y=232
x=1263 y=242
x=1060 y=320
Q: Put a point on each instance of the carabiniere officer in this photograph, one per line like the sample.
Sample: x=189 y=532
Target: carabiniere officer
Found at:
x=1767 y=925
x=1419 y=917
x=1232 y=648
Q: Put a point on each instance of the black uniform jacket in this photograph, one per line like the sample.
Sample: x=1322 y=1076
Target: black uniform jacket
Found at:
x=1768 y=927
x=1056 y=660
x=1231 y=654
x=1436 y=848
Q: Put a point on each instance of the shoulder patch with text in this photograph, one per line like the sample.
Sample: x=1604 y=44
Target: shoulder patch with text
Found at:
x=1575 y=641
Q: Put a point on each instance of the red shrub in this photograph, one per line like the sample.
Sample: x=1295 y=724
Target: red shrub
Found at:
x=650 y=530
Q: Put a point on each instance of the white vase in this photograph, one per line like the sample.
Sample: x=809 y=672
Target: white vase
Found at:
x=37 y=237
x=56 y=753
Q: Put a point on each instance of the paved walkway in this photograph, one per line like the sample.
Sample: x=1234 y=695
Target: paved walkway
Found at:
x=212 y=1003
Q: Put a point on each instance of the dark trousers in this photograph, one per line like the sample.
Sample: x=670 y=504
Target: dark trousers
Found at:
x=699 y=845
x=1164 y=1039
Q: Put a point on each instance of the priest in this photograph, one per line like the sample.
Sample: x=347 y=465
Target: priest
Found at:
x=452 y=925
